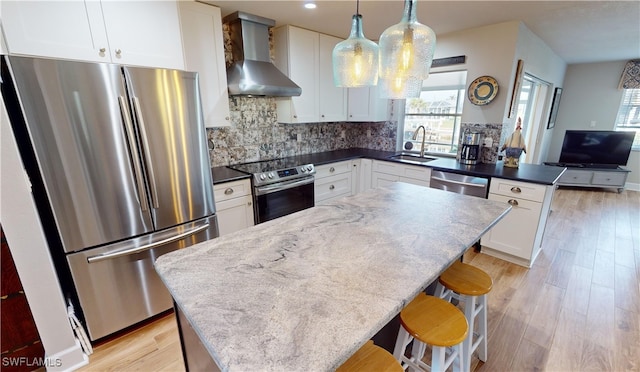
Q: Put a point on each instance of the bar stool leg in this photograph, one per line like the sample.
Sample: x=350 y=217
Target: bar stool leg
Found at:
x=401 y=344
x=438 y=358
x=469 y=313
x=482 y=329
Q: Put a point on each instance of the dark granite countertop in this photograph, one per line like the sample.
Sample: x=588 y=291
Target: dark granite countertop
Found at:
x=224 y=174
x=534 y=173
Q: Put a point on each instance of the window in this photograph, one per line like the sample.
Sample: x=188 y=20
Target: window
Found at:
x=628 y=118
x=439 y=110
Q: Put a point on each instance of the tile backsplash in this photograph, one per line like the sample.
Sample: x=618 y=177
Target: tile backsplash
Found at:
x=488 y=155
x=255 y=134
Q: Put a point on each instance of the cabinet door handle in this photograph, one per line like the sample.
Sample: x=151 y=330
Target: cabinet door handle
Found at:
x=102 y=50
x=249 y=203
x=118 y=52
x=516 y=189
x=513 y=202
x=228 y=191
x=332 y=169
x=331 y=187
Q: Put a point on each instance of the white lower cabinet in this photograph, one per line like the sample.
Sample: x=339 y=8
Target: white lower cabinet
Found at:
x=518 y=236
x=234 y=206
x=384 y=173
x=333 y=181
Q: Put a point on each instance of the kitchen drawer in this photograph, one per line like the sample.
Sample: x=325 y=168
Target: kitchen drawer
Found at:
x=229 y=190
x=332 y=187
x=609 y=178
x=332 y=169
x=576 y=177
x=515 y=189
x=407 y=171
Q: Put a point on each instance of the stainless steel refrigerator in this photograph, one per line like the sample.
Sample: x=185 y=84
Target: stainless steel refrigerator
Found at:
x=119 y=164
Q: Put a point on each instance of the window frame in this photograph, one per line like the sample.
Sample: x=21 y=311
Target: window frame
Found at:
x=456 y=115
x=629 y=107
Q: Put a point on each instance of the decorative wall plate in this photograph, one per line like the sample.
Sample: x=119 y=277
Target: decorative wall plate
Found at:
x=482 y=90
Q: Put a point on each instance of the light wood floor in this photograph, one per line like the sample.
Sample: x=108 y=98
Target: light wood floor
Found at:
x=576 y=309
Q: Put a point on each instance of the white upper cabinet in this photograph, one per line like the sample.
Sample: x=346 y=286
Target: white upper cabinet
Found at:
x=332 y=99
x=296 y=54
x=305 y=57
x=365 y=104
x=142 y=33
x=204 y=52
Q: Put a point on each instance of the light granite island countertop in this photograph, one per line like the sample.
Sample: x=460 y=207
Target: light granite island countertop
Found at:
x=303 y=292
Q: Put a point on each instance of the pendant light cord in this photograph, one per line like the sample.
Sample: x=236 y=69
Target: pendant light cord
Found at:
x=357 y=7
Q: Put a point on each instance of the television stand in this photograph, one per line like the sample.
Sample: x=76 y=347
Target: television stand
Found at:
x=593 y=175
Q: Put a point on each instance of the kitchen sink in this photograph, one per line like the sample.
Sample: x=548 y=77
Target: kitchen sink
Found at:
x=411 y=158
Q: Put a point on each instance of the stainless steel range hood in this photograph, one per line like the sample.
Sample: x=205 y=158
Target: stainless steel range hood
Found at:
x=252 y=73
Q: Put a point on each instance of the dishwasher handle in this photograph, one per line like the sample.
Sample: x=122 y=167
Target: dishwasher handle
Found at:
x=458 y=182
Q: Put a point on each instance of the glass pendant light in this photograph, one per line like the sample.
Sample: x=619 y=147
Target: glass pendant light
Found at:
x=355 y=60
x=406 y=53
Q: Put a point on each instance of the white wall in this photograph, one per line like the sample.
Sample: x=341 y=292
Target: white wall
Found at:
x=591 y=94
x=543 y=63
x=495 y=50
x=29 y=249
x=489 y=50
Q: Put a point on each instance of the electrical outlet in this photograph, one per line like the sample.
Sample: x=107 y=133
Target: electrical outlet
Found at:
x=487 y=142
x=592 y=124
x=342 y=135
x=368 y=132
x=298 y=137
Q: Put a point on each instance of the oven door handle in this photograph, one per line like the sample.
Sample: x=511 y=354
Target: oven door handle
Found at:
x=262 y=190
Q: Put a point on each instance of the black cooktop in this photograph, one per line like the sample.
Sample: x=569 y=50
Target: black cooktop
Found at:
x=267 y=165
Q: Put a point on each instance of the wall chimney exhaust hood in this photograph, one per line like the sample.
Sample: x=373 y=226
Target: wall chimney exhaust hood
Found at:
x=252 y=72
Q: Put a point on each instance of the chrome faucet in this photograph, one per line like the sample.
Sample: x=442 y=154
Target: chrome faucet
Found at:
x=424 y=135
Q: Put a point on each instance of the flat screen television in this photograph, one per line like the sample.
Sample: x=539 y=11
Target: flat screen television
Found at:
x=596 y=148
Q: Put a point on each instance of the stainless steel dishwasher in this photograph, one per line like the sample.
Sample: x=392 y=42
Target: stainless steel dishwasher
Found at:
x=459 y=183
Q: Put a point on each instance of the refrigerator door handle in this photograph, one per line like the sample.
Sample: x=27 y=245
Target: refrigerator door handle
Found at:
x=147 y=152
x=128 y=128
x=134 y=250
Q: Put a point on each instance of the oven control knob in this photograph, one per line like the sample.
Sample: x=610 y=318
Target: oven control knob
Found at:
x=303 y=169
x=270 y=175
x=262 y=177
x=309 y=168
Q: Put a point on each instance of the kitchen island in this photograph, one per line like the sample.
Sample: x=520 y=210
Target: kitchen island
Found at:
x=305 y=291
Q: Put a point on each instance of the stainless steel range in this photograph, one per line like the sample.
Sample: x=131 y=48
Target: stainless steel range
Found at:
x=280 y=187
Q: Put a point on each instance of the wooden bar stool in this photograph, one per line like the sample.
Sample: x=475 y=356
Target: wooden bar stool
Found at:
x=470 y=285
x=429 y=320
x=371 y=358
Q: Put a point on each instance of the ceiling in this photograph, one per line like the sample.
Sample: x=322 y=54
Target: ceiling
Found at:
x=577 y=31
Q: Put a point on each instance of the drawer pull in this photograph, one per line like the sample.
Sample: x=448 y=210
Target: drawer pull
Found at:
x=249 y=203
x=332 y=169
x=228 y=191
x=513 y=202
x=516 y=189
x=331 y=187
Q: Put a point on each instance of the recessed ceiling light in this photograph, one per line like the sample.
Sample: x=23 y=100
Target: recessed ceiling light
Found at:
x=310 y=5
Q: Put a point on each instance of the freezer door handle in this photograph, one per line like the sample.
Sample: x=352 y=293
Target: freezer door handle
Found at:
x=128 y=128
x=147 y=152
x=134 y=250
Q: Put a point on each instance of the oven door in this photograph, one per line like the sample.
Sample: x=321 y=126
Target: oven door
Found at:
x=282 y=198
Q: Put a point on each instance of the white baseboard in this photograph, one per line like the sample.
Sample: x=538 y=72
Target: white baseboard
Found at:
x=632 y=186
x=69 y=359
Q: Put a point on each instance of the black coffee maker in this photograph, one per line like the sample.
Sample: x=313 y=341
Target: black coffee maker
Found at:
x=470 y=148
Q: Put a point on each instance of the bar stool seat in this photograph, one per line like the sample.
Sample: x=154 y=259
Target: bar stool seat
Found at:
x=428 y=320
x=371 y=358
x=470 y=285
